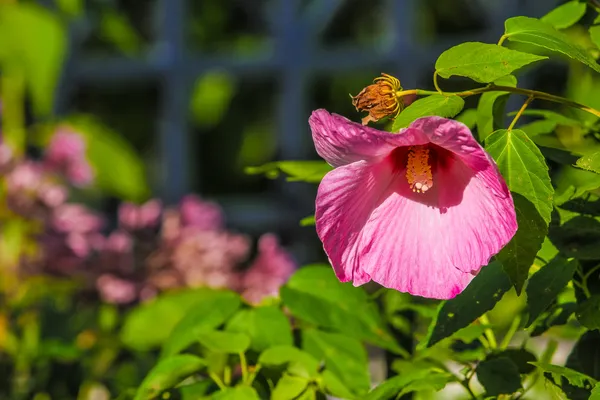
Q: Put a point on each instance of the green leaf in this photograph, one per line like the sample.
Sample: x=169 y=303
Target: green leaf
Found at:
x=520 y=357
x=412 y=381
x=540 y=127
x=196 y=390
x=72 y=8
x=117 y=167
x=595 y=32
x=436 y=104
x=557 y=315
x=304 y=171
x=585 y=356
x=523 y=167
x=468 y=117
x=150 y=324
x=344 y=356
x=289 y=387
x=519 y=254
x=33 y=41
x=267 y=326
x=480 y=296
x=546 y=284
x=308 y=221
x=595 y=392
x=491 y=108
x=578 y=237
x=565 y=15
x=551 y=116
x=224 y=342
x=591 y=162
x=212 y=95
x=277 y=356
x=237 y=393
x=116 y=29
x=588 y=312
x=481 y=62
x=573 y=377
x=334 y=386
x=544 y=36
x=315 y=295
x=168 y=373
x=203 y=317
x=499 y=376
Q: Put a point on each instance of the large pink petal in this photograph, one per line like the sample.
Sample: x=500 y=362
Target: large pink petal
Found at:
x=340 y=141
x=373 y=226
x=455 y=137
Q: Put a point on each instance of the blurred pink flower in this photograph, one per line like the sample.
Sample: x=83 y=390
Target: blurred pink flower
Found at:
x=208 y=258
x=133 y=217
x=115 y=290
x=66 y=154
x=419 y=211
x=271 y=269
x=200 y=214
x=72 y=217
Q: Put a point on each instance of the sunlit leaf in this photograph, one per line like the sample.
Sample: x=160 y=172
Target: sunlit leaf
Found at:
x=590 y=162
x=224 y=342
x=491 y=108
x=211 y=97
x=204 y=317
x=285 y=355
x=436 y=104
x=565 y=15
x=315 y=295
x=267 y=326
x=573 y=377
x=523 y=167
x=289 y=387
x=33 y=40
x=468 y=117
x=305 y=171
x=140 y=329
x=540 y=34
x=481 y=62
x=412 y=381
x=168 y=373
x=308 y=221
x=236 y=393
x=344 y=356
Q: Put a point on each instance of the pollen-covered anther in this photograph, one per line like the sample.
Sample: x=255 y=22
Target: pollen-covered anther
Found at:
x=418 y=169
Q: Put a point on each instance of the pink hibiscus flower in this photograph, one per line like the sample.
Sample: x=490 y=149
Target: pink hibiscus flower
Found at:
x=419 y=211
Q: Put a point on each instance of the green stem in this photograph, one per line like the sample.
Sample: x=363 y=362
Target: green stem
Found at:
x=253 y=373
x=435 y=83
x=591 y=271
x=489 y=334
x=534 y=94
x=244 y=367
x=502 y=39
x=520 y=112
x=514 y=326
x=217 y=380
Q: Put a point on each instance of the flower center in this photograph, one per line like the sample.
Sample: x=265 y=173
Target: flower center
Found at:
x=418 y=169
